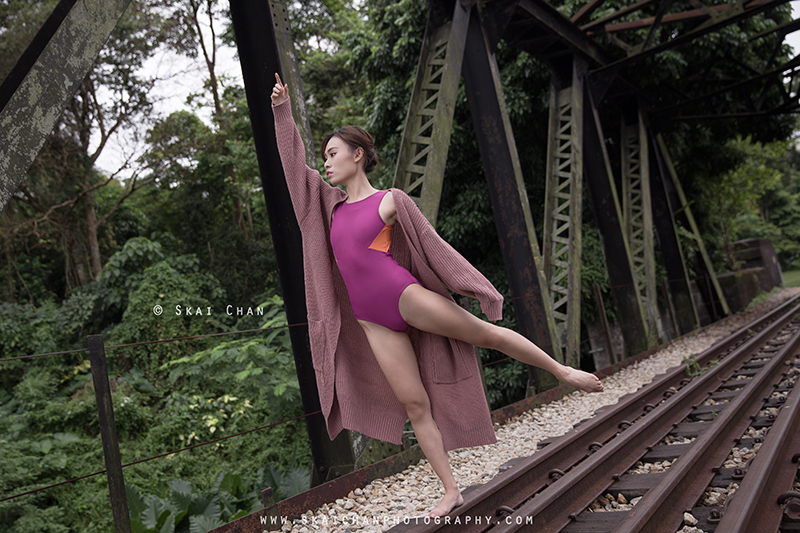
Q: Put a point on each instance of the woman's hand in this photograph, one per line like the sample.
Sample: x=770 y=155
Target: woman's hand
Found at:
x=280 y=93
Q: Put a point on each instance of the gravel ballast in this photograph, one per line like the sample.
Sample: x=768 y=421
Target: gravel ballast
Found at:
x=412 y=493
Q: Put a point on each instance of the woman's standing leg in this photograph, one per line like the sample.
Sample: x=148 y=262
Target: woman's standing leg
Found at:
x=431 y=312
x=396 y=357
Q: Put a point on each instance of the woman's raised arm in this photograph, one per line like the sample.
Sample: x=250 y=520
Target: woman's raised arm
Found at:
x=305 y=183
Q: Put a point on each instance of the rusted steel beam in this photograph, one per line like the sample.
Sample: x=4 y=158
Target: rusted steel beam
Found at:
x=785 y=28
x=638 y=215
x=265 y=47
x=617 y=14
x=37 y=90
x=586 y=11
x=669 y=112
x=720 y=21
x=426 y=135
x=755 y=506
x=560 y=25
x=563 y=204
x=509 y=199
x=685 y=311
x=672 y=17
x=608 y=214
x=685 y=209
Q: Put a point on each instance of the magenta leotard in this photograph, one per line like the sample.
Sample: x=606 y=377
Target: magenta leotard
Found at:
x=360 y=240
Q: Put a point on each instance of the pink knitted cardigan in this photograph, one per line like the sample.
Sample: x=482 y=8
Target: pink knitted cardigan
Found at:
x=353 y=390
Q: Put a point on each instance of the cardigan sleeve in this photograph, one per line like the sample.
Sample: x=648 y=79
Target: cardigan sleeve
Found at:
x=452 y=268
x=305 y=184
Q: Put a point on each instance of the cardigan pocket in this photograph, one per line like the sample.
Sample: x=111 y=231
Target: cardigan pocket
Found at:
x=453 y=362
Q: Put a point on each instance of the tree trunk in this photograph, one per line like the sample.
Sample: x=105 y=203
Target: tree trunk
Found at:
x=91 y=234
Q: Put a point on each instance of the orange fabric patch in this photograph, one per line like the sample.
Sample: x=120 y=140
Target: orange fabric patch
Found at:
x=383 y=241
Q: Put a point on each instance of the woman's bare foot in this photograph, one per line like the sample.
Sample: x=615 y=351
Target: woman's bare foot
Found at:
x=449 y=501
x=581 y=380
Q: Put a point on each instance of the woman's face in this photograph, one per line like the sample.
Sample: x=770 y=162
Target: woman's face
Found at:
x=341 y=163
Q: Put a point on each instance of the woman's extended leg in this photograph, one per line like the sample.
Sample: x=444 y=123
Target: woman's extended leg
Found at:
x=431 y=312
x=397 y=360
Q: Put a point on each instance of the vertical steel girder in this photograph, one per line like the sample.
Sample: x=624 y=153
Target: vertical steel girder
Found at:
x=265 y=47
x=426 y=136
x=680 y=292
x=608 y=214
x=563 y=208
x=683 y=207
x=638 y=218
x=512 y=212
x=39 y=87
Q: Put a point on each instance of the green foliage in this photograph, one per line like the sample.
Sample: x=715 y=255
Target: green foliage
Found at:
x=184 y=315
x=183 y=508
x=737 y=192
x=245 y=365
x=124 y=270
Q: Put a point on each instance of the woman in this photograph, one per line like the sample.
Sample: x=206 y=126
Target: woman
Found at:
x=364 y=307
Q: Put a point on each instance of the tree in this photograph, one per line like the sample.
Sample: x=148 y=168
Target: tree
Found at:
x=57 y=202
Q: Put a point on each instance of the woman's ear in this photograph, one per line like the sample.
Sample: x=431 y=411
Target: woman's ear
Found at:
x=359 y=154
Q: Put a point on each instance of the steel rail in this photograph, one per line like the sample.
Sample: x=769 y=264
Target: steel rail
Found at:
x=662 y=508
x=553 y=508
x=755 y=507
x=532 y=474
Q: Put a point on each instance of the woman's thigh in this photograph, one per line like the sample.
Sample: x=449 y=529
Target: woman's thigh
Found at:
x=395 y=355
x=429 y=311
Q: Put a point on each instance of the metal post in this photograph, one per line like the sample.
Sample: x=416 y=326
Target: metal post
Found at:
x=265 y=47
x=676 y=332
x=680 y=289
x=638 y=215
x=716 y=289
x=608 y=215
x=564 y=205
x=601 y=314
x=512 y=212
x=108 y=434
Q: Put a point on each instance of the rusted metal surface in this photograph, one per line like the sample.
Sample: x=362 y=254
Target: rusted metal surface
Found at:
x=608 y=214
x=662 y=507
x=556 y=500
x=563 y=205
x=720 y=21
x=508 y=196
x=755 y=507
x=638 y=215
x=684 y=208
x=265 y=47
x=682 y=306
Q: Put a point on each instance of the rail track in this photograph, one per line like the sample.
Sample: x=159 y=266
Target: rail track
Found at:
x=713 y=444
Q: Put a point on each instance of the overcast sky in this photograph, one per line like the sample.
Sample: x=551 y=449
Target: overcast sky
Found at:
x=183 y=77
